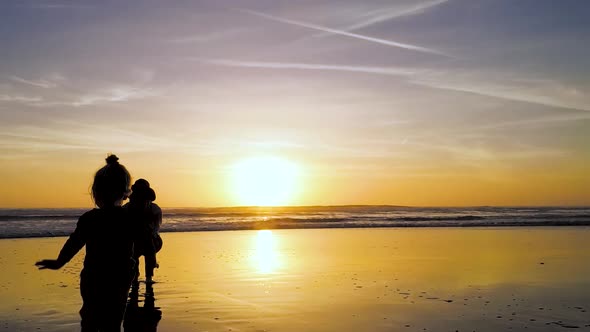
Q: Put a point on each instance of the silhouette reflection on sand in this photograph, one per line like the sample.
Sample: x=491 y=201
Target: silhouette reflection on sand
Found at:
x=144 y=318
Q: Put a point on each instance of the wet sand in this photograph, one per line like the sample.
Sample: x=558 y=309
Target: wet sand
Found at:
x=443 y=279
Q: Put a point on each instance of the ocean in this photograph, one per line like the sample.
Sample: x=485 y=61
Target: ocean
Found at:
x=24 y=223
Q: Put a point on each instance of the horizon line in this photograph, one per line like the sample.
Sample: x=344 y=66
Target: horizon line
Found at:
x=319 y=206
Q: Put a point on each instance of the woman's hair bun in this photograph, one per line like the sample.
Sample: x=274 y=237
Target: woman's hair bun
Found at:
x=112 y=159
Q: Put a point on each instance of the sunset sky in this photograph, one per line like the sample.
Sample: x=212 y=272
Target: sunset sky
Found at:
x=414 y=102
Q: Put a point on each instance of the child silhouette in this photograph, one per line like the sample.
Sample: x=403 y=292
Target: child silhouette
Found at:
x=147 y=218
x=108 y=266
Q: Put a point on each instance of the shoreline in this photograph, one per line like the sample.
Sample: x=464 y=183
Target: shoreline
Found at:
x=271 y=207
x=539 y=225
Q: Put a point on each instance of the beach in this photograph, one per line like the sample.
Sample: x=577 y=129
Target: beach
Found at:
x=371 y=279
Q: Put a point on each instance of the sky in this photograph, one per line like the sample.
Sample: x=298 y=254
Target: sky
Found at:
x=421 y=102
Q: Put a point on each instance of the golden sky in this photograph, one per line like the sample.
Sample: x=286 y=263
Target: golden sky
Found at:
x=426 y=103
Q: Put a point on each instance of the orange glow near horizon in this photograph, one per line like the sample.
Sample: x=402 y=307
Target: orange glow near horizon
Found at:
x=298 y=179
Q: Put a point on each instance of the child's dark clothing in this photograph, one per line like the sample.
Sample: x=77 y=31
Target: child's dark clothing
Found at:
x=108 y=266
x=147 y=218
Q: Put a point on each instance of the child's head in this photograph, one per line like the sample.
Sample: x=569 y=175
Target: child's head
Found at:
x=111 y=183
x=141 y=192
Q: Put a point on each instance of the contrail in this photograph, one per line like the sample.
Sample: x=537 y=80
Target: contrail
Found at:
x=491 y=91
x=308 y=66
x=344 y=33
x=388 y=15
x=413 y=76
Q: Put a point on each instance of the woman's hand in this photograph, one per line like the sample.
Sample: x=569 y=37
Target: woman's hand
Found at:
x=52 y=264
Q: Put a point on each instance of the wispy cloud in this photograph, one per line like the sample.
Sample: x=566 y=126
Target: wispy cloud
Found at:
x=20 y=98
x=40 y=83
x=84 y=136
x=80 y=137
x=545 y=92
x=208 y=37
x=541 y=92
x=345 y=33
x=309 y=66
x=537 y=122
x=114 y=94
x=387 y=14
x=271 y=144
x=56 y=6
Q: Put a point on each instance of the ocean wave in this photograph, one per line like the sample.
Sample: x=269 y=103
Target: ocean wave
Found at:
x=61 y=222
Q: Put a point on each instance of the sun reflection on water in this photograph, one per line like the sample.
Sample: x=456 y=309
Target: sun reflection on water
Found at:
x=266 y=255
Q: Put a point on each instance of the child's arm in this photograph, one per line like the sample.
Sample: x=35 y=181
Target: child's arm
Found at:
x=155 y=220
x=75 y=242
x=159 y=216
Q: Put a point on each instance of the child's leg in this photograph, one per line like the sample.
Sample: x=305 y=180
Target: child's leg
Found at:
x=135 y=281
x=90 y=305
x=88 y=328
x=104 y=298
x=150 y=264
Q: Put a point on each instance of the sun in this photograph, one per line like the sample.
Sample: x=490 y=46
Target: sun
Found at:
x=264 y=181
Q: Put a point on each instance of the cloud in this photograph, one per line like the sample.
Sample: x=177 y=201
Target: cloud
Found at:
x=78 y=136
x=114 y=94
x=309 y=66
x=271 y=144
x=544 y=121
x=345 y=33
x=386 y=14
x=40 y=83
x=20 y=99
x=542 y=92
x=85 y=136
x=203 y=38
x=56 y=6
